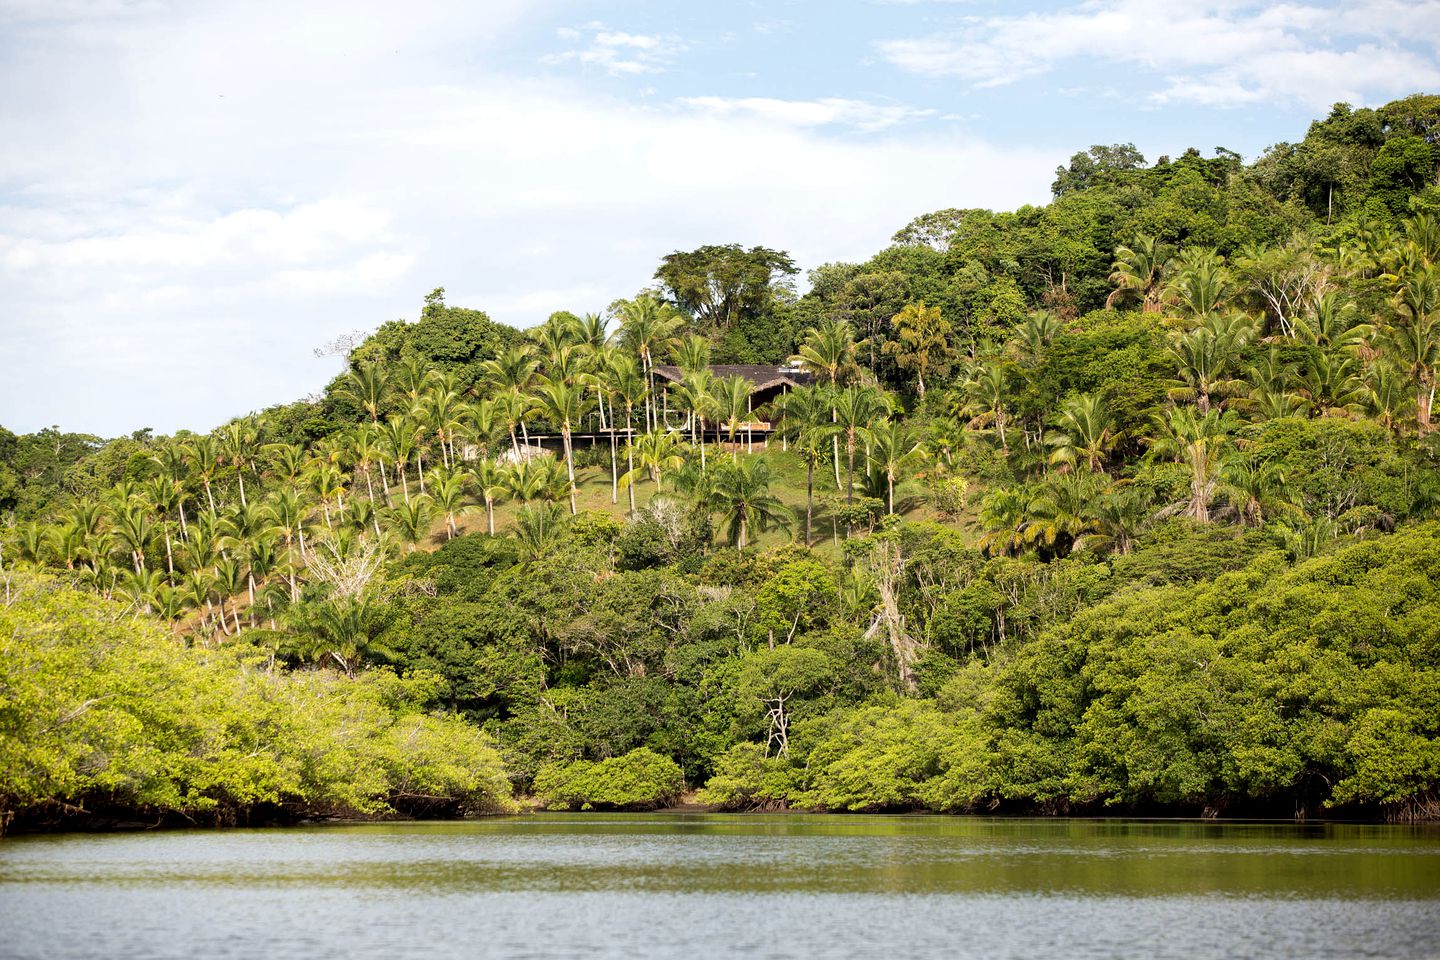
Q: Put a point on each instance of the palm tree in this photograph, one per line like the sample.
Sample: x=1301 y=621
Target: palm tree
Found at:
x=204 y=455
x=414 y=375
x=804 y=414
x=698 y=395
x=922 y=342
x=1415 y=348
x=1200 y=285
x=1199 y=441
x=854 y=410
x=1003 y=514
x=286 y=517
x=345 y=629
x=230 y=579
x=1253 y=486
x=510 y=376
x=164 y=496
x=1118 y=516
x=366 y=384
x=984 y=398
x=630 y=387
x=564 y=404
x=1139 y=272
x=731 y=405
x=397 y=440
x=1330 y=381
x=1085 y=429
x=447 y=490
x=170 y=457
x=1387 y=395
x=893 y=444
x=481 y=421
x=647 y=326
x=133 y=529
x=411 y=519
x=1034 y=336
x=237 y=444
x=490 y=481
x=539 y=528
x=1206 y=357
x=692 y=354
x=1063 y=512
x=364 y=452
x=656 y=451
x=742 y=493
x=828 y=353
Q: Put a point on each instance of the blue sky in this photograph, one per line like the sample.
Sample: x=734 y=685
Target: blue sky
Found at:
x=195 y=195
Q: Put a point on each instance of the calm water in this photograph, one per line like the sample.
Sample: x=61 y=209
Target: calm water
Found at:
x=718 y=886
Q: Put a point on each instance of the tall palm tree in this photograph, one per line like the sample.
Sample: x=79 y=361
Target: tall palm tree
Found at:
x=984 y=397
x=397 y=440
x=447 y=490
x=1206 y=358
x=133 y=529
x=1254 y=486
x=510 y=376
x=804 y=414
x=731 y=404
x=1085 y=430
x=170 y=457
x=164 y=496
x=1387 y=396
x=692 y=354
x=490 y=483
x=647 y=327
x=828 y=353
x=481 y=423
x=854 y=409
x=1330 y=381
x=564 y=404
x=742 y=493
x=1118 y=516
x=286 y=517
x=237 y=446
x=414 y=375
x=630 y=388
x=204 y=455
x=1414 y=346
x=893 y=444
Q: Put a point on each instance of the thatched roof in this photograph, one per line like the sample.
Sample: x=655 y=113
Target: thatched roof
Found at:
x=760 y=376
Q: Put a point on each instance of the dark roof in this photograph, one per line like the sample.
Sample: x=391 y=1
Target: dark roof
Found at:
x=761 y=376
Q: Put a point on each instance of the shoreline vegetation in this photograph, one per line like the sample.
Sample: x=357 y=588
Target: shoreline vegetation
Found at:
x=1124 y=505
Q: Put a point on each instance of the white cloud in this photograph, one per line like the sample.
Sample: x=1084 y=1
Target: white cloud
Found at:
x=616 y=52
x=169 y=256
x=860 y=114
x=1219 y=53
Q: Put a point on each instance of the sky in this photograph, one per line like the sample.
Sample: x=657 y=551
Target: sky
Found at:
x=195 y=195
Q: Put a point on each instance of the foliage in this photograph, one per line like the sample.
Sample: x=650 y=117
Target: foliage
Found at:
x=638 y=780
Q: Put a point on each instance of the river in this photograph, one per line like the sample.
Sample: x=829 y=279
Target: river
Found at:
x=695 y=886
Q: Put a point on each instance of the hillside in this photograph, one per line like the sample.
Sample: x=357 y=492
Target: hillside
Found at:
x=1128 y=501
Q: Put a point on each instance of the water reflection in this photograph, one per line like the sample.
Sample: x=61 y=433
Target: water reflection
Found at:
x=567 y=885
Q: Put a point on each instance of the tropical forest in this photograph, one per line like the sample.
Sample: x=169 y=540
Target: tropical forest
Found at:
x=1127 y=503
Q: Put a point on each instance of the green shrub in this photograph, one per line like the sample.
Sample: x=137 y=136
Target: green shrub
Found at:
x=638 y=780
